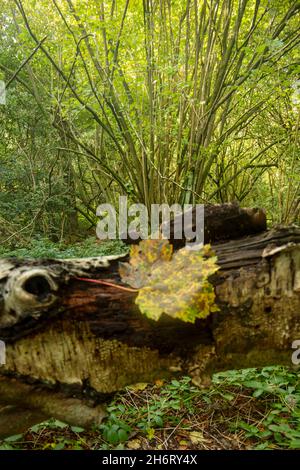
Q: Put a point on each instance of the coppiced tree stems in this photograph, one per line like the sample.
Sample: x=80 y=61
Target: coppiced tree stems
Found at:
x=163 y=142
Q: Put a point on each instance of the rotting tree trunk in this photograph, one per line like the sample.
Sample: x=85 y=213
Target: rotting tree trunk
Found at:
x=222 y=222
x=91 y=340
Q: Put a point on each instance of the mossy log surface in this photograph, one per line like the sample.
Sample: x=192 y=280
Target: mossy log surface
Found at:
x=91 y=340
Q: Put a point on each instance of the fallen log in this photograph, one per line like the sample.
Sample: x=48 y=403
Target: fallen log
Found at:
x=222 y=222
x=37 y=399
x=90 y=340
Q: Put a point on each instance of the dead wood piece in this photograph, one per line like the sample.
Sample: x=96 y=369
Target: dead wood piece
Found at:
x=96 y=335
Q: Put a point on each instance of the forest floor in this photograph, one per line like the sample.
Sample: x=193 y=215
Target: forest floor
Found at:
x=246 y=409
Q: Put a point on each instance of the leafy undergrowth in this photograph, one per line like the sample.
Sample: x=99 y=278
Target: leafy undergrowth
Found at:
x=247 y=409
x=44 y=248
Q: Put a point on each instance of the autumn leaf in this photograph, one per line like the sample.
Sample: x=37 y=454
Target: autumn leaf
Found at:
x=196 y=437
x=143 y=258
x=134 y=444
x=150 y=433
x=174 y=284
x=137 y=387
x=180 y=287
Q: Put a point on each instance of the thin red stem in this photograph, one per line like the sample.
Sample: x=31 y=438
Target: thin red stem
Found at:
x=106 y=283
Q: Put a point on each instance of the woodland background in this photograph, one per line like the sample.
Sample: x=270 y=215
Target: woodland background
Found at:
x=165 y=101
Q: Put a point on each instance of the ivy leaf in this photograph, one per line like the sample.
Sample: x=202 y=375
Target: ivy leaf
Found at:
x=144 y=257
x=180 y=287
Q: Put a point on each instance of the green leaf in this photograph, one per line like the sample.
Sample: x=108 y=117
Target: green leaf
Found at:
x=294 y=444
x=176 y=383
x=76 y=429
x=228 y=396
x=37 y=427
x=14 y=438
x=55 y=423
x=158 y=421
x=60 y=446
x=254 y=384
x=6 y=447
x=122 y=435
x=112 y=436
x=284 y=428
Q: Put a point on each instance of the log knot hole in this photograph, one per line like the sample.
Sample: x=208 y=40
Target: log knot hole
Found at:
x=39 y=286
x=27 y=292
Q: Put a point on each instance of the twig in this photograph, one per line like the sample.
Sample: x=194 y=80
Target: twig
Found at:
x=25 y=62
x=106 y=283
